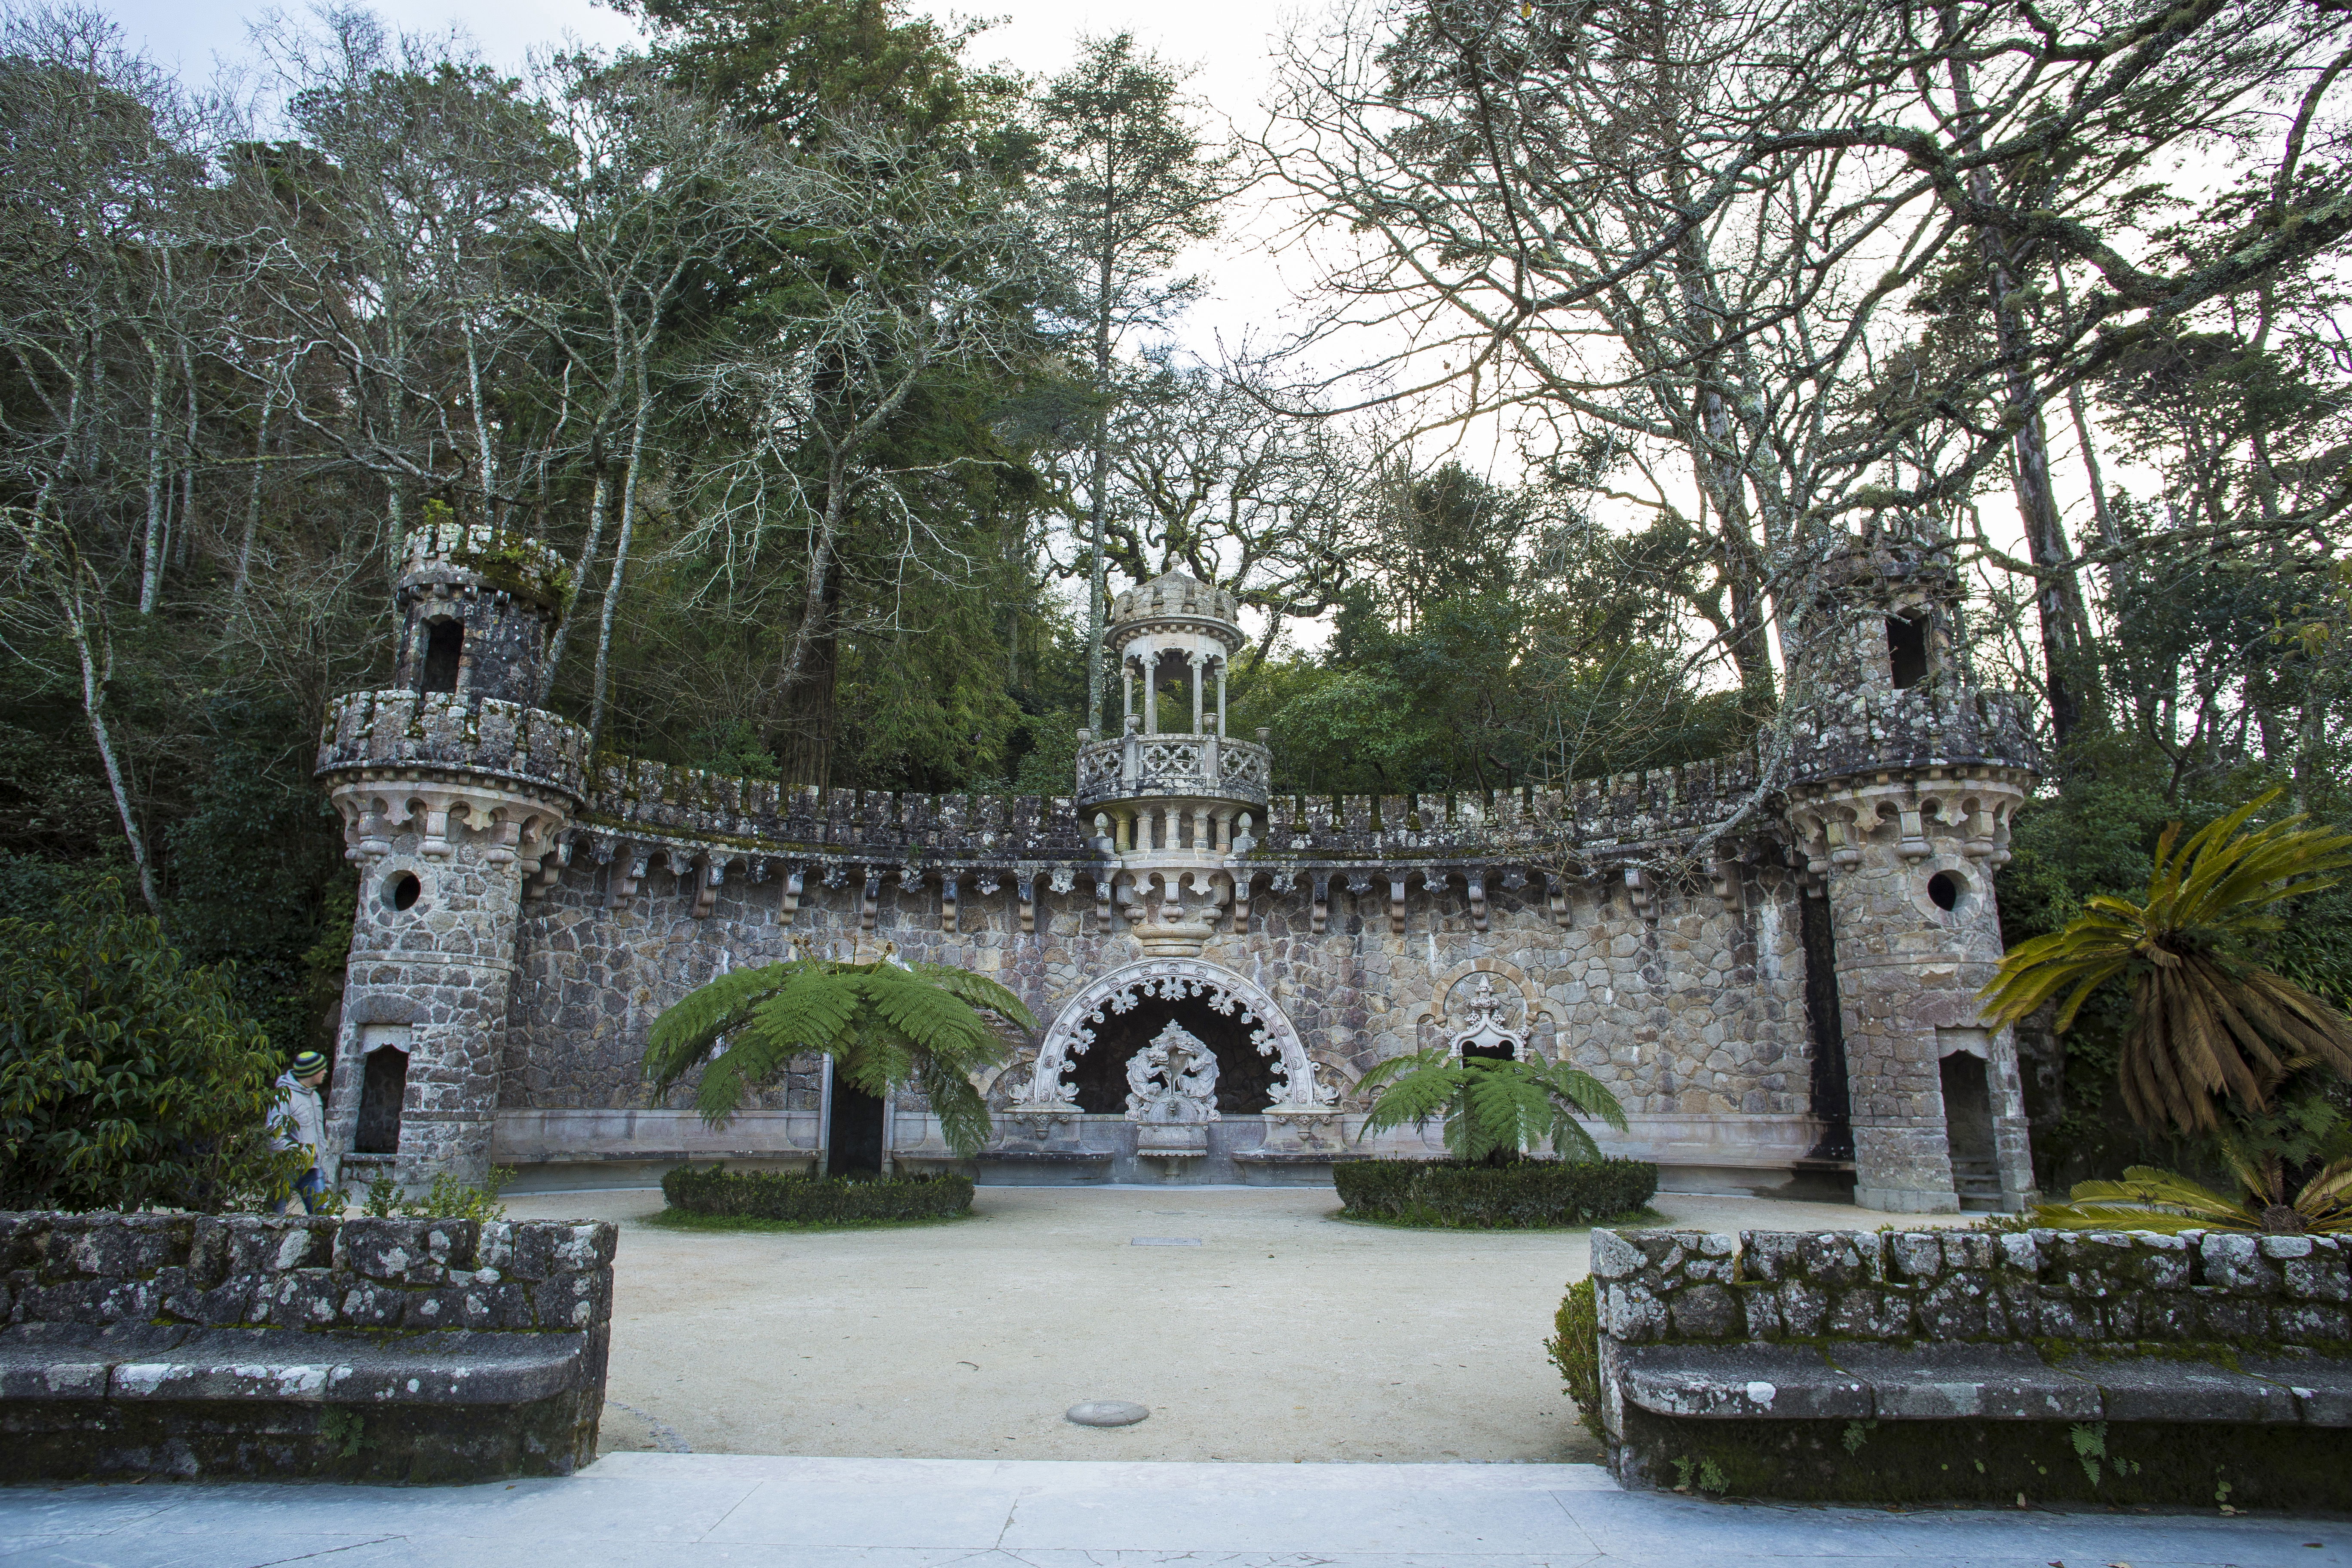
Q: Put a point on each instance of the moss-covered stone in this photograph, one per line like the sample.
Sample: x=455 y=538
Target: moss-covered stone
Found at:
x=2288 y=1466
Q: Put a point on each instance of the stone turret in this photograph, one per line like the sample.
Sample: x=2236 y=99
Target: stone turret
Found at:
x=1904 y=782
x=454 y=792
x=1175 y=806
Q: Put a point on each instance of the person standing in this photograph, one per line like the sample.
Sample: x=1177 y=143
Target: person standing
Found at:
x=300 y=1122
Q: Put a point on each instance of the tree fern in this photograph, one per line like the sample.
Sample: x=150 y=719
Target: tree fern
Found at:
x=884 y=1024
x=1493 y=1108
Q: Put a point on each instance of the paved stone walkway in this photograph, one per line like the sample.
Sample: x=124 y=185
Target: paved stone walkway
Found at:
x=1283 y=1335
x=660 y=1510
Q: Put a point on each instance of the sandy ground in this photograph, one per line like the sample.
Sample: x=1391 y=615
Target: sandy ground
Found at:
x=1285 y=1334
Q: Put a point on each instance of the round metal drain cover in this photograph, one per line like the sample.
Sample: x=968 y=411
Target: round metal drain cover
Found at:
x=1106 y=1412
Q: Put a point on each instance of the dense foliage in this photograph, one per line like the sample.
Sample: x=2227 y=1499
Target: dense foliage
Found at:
x=816 y=1200
x=885 y=1025
x=836 y=365
x=1521 y=1194
x=130 y=1077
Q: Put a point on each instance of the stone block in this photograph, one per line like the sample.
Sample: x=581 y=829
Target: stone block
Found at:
x=2310 y=1322
x=1769 y=1254
x=1706 y=1313
x=2322 y=1386
x=1915 y=1257
x=2323 y=1276
x=542 y=1249
x=569 y=1301
x=1802 y=1308
x=1615 y=1257
x=2148 y=1390
x=2235 y=1263
x=396 y=1252
x=2061 y=1315
x=1631 y=1313
x=275 y=1244
x=2224 y=1316
x=1870 y=1313
x=299 y=1298
x=1947 y=1383
x=2091 y=1266
x=1965 y=1307
x=2161 y=1315
x=1838 y=1258
x=119 y=1246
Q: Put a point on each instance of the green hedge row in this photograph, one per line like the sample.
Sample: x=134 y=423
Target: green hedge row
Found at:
x=1523 y=1194
x=771 y=1195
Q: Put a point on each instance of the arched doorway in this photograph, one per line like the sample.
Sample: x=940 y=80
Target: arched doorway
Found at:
x=1245 y=1077
x=1258 y=1052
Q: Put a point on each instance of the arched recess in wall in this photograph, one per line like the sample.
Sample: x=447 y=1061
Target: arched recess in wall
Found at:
x=1297 y=1086
x=1443 y=1009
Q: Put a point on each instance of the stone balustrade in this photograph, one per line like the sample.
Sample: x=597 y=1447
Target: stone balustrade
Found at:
x=1131 y=766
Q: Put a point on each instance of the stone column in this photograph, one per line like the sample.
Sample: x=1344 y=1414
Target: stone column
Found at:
x=1193 y=663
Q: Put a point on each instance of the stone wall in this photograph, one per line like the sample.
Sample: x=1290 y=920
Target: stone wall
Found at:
x=1691 y=1008
x=1952 y=1286
x=388 y=1349
x=1948 y=1366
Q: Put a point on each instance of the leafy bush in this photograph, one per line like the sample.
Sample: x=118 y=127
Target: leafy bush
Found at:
x=1575 y=1348
x=130 y=1077
x=769 y=1194
x=1517 y=1195
x=446 y=1198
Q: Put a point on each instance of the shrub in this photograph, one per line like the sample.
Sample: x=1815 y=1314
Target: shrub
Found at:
x=130 y=1077
x=767 y=1194
x=1517 y=1195
x=1575 y=1348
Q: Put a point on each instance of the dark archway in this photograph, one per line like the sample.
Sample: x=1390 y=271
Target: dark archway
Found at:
x=1244 y=1078
x=852 y=1133
x=444 y=648
x=1968 y=1128
x=383 y=1089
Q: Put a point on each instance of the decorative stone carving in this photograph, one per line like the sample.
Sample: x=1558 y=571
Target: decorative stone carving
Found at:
x=1072 y=1033
x=1173 y=1079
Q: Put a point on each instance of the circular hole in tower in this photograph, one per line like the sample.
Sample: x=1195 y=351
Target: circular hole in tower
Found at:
x=402 y=892
x=1943 y=891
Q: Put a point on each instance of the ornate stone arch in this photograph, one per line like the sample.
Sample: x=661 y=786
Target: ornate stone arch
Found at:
x=1073 y=1029
x=1510 y=976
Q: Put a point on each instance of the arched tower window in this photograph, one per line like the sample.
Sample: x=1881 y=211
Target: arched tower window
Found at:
x=445 y=646
x=1906 y=648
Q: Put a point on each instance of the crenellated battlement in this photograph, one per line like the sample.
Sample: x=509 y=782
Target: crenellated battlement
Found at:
x=1622 y=813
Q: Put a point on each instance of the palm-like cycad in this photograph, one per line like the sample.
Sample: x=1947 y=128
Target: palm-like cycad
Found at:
x=2150 y=1199
x=1494 y=1107
x=883 y=1023
x=2205 y=1022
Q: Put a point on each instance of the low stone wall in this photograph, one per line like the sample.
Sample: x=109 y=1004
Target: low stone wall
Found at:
x=386 y=1349
x=1963 y=1363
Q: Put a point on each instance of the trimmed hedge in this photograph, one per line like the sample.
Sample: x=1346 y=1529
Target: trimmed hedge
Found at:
x=1521 y=1194
x=772 y=1194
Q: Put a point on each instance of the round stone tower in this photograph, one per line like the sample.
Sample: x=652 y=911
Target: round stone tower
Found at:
x=454 y=789
x=1904 y=781
x=1174 y=804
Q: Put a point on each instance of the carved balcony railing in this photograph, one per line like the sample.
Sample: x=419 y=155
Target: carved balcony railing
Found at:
x=1209 y=767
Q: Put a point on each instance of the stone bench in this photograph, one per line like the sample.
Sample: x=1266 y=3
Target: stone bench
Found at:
x=253 y=1346
x=2122 y=1368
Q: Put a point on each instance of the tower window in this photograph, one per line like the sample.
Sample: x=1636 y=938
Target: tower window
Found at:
x=1943 y=891
x=401 y=891
x=445 y=644
x=1906 y=646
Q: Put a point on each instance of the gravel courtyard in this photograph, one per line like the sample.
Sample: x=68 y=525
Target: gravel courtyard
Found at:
x=1285 y=1334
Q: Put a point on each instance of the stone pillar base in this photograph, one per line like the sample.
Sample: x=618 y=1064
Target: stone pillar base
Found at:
x=1906 y=1200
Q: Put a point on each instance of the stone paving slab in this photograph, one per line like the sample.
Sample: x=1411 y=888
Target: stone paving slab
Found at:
x=640 y=1511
